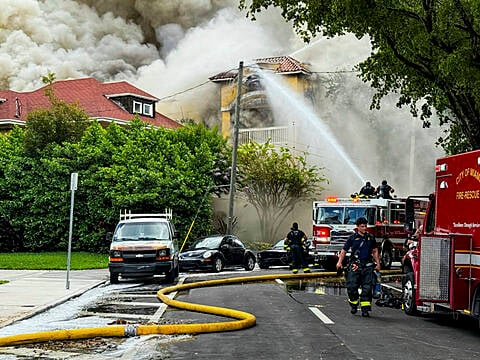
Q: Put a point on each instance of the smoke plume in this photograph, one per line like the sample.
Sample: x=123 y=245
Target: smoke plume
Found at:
x=171 y=47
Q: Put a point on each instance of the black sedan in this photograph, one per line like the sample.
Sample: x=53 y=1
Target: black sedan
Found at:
x=217 y=252
x=277 y=256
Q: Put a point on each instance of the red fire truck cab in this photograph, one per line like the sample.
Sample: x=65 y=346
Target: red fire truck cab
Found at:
x=334 y=221
x=442 y=272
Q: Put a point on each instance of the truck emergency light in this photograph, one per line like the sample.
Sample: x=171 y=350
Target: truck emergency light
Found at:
x=332 y=199
x=322 y=232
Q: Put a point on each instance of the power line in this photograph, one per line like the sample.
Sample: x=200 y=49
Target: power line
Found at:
x=249 y=66
x=184 y=91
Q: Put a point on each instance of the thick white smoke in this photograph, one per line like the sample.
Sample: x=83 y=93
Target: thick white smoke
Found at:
x=169 y=46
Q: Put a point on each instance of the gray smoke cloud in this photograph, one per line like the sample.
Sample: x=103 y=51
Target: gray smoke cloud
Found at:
x=168 y=47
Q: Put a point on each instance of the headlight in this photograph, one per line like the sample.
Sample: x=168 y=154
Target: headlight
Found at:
x=162 y=252
x=115 y=253
x=207 y=254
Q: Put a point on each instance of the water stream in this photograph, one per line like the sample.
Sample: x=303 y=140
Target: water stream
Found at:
x=290 y=109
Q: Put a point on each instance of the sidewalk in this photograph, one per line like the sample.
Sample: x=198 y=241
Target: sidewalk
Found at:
x=30 y=292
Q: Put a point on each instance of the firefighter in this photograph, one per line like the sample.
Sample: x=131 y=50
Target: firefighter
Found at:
x=296 y=243
x=367 y=191
x=384 y=190
x=359 y=273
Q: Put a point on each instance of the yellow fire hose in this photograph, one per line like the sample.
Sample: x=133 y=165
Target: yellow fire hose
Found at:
x=244 y=319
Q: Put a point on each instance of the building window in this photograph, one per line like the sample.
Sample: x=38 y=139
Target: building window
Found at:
x=148 y=109
x=137 y=107
x=142 y=108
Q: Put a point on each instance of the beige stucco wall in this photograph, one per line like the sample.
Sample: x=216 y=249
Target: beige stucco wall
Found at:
x=248 y=227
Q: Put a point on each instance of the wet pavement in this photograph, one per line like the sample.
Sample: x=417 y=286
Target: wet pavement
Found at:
x=296 y=319
x=29 y=292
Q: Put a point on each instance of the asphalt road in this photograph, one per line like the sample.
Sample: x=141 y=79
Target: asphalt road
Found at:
x=295 y=320
x=288 y=328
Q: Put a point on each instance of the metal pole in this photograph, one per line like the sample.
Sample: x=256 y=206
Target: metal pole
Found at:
x=233 y=173
x=73 y=187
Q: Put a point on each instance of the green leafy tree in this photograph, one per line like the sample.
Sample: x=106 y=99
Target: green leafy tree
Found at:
x=273 y=181
x=60 y=123
x=133 y=168
x=427 y=51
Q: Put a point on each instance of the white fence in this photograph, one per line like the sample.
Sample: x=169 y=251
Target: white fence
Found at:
x=277 y=135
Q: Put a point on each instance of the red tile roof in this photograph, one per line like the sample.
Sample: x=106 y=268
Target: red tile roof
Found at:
x=91 y=95
x=284 y=65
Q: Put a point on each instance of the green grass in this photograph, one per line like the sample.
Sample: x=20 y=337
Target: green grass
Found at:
x=52 y=261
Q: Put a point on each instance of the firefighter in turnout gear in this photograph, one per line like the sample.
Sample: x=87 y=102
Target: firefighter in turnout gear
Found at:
x=364 y=259
x=296 y=243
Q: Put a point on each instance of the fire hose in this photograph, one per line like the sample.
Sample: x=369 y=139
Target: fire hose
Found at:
x=243 y=320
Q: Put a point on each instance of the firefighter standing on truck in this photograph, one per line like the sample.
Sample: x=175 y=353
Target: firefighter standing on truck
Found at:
x=296 y=243
x=363 y=260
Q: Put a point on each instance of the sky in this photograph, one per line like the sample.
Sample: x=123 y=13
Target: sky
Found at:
x=170 y=48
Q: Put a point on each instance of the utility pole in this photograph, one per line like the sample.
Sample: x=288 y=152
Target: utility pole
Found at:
x=233 y=173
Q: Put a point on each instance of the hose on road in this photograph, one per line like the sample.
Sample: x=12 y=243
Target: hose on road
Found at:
x=243 y=320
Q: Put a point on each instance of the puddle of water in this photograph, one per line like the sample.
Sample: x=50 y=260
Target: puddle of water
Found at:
x=320 y=287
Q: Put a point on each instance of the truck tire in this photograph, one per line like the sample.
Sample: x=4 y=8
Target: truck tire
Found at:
x=330 y=265
x=408 y=293
x=171 y=275
x=386 y=258
x=113 y=278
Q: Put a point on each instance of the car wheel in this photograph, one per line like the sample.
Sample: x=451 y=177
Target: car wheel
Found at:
x=217 y=265
x=408 y=293
x=249 y=263
x=171 y=275
x=113 y=278
x=263 y=265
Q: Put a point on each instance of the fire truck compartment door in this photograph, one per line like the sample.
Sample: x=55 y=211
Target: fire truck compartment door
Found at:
x=463 y=259
x=433 y=284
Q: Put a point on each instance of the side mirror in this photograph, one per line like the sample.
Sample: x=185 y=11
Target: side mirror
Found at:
x=108 y=236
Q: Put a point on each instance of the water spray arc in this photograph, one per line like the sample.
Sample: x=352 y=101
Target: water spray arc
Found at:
x=278 y=93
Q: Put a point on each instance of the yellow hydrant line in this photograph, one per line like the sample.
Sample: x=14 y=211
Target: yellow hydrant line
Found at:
x=245 y=320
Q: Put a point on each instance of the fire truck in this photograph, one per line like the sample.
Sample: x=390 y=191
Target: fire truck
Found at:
x=442 y=269
x=334 y=221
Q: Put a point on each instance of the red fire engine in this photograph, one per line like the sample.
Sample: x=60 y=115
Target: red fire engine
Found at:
x=442 y=270
x=334 y=221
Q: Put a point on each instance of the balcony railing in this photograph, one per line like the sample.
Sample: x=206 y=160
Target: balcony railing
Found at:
x=277 y=135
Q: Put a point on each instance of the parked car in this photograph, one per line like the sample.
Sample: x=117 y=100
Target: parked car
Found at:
x=277 y=256
x=217 y=252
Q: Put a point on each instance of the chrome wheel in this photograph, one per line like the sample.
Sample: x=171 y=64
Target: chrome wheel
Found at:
x=250 y=263
x=217 y=264
x=408 y=295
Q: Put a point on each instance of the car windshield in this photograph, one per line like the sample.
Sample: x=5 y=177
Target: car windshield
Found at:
x=142 y=231
x=278 y=245
x=212 y=242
